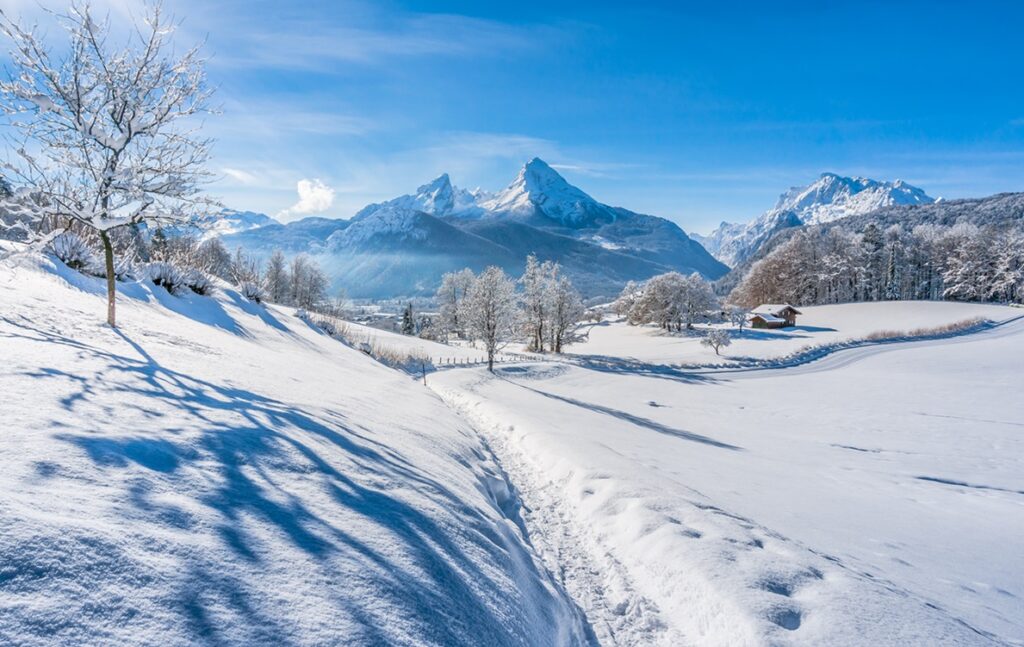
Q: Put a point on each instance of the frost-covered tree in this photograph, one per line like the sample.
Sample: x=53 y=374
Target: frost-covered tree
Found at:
x=537 y=283
x=454 y=288
x=717 y=339
x=276 y=279
x=307 y=283
x=490 y=311
x=670 y=300
x=739 y=316
x=214 y=258
x=108 y=140
x=564 y=308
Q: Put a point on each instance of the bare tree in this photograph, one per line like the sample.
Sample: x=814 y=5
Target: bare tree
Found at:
x=105 y=134
x=717 y=338
x=489 y=310
x=276 y=277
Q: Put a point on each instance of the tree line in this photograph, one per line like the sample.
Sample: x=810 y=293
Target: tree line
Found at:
x=823 y=265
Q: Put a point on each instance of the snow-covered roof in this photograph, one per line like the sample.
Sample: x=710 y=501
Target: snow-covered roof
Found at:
x=768 y=318
x=774 y=308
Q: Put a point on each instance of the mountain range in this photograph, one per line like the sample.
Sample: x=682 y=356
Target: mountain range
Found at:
x=402 y=247
x=831 y=197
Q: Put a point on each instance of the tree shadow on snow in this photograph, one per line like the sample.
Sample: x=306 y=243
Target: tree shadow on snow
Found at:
x=245 y=444
x=639 y=421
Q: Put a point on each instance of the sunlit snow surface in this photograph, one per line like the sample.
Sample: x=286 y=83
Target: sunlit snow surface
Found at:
x=216 y=472
x=874 y=497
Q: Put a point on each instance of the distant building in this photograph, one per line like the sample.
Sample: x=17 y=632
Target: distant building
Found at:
x=773 y=315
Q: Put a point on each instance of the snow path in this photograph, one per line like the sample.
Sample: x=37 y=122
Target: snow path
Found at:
x=653 y=560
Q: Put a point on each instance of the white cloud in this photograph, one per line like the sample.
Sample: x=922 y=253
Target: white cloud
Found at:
x=314 y=197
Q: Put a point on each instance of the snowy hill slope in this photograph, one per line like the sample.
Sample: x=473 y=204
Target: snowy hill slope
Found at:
x=831 y=197
x=219 y=473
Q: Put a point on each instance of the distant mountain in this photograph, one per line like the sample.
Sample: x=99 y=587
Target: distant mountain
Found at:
x=229 y=221
x=401 y=247
x=830 y=198
x=998 y=210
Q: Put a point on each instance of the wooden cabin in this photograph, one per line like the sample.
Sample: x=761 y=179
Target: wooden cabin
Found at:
x=773 y=315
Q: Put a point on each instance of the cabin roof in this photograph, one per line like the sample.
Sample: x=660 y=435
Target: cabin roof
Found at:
x=766 y=317
x=775 y=308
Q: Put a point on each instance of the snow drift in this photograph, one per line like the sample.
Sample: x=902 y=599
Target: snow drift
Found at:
x=216 y=472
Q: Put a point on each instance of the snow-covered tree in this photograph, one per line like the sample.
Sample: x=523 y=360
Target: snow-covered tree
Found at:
x=308 y=284
x=490 y=311
x=537 y=282
x=672 y=301
x=717 y=338
x=739 y=316
x=276 y=278
x=107 y=135
x=564 y=308
x=408 y=321
x=454 y=288
x=215 y=259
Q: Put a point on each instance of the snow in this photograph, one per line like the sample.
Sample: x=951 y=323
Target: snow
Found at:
x=540 y=187
x=216 y=472
x=829 y=198
x=438 y=197
x=220 y=472
x=872 y=497
x=818 y=325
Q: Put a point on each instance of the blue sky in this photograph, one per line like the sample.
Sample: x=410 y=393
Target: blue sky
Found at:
x=695 y=113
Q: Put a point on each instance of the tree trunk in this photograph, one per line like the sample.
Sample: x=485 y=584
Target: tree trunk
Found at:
x=108 y=253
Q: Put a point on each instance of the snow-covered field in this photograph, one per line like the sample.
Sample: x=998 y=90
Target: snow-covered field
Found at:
x=873 y=497
x=219 y=473
x=818 y=325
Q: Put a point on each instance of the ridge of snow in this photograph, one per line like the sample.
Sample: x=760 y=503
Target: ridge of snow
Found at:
x=388 y=219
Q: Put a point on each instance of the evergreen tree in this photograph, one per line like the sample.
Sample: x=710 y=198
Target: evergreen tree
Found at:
x=408 y=321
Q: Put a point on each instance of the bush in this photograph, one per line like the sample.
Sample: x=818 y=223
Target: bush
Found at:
x=72 y=251
x=253 y=291
x=197 y=281
x=166 y=276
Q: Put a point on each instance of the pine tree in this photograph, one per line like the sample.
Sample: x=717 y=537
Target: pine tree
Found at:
x=408 y=322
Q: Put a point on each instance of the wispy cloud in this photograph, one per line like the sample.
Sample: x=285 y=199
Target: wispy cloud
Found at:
x=322 y=46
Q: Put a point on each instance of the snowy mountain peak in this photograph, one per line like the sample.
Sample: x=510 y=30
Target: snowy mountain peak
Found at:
x=834 y=196
x=439 y=197
x=540 y=188
x=830 y=197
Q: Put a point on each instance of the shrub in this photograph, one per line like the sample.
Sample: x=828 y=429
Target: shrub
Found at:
x=253 y=291
x=197 y=281
x=72 y=251
x=166 y=276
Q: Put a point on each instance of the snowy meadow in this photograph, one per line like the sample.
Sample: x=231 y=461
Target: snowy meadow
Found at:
x=454 y=417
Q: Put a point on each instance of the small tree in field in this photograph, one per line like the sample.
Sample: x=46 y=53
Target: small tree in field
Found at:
x=490 y=309
x=105 y=141
x=716 y=339
x=739 y=316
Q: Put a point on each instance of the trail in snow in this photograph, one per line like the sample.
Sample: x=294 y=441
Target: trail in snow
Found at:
x=653 y=531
